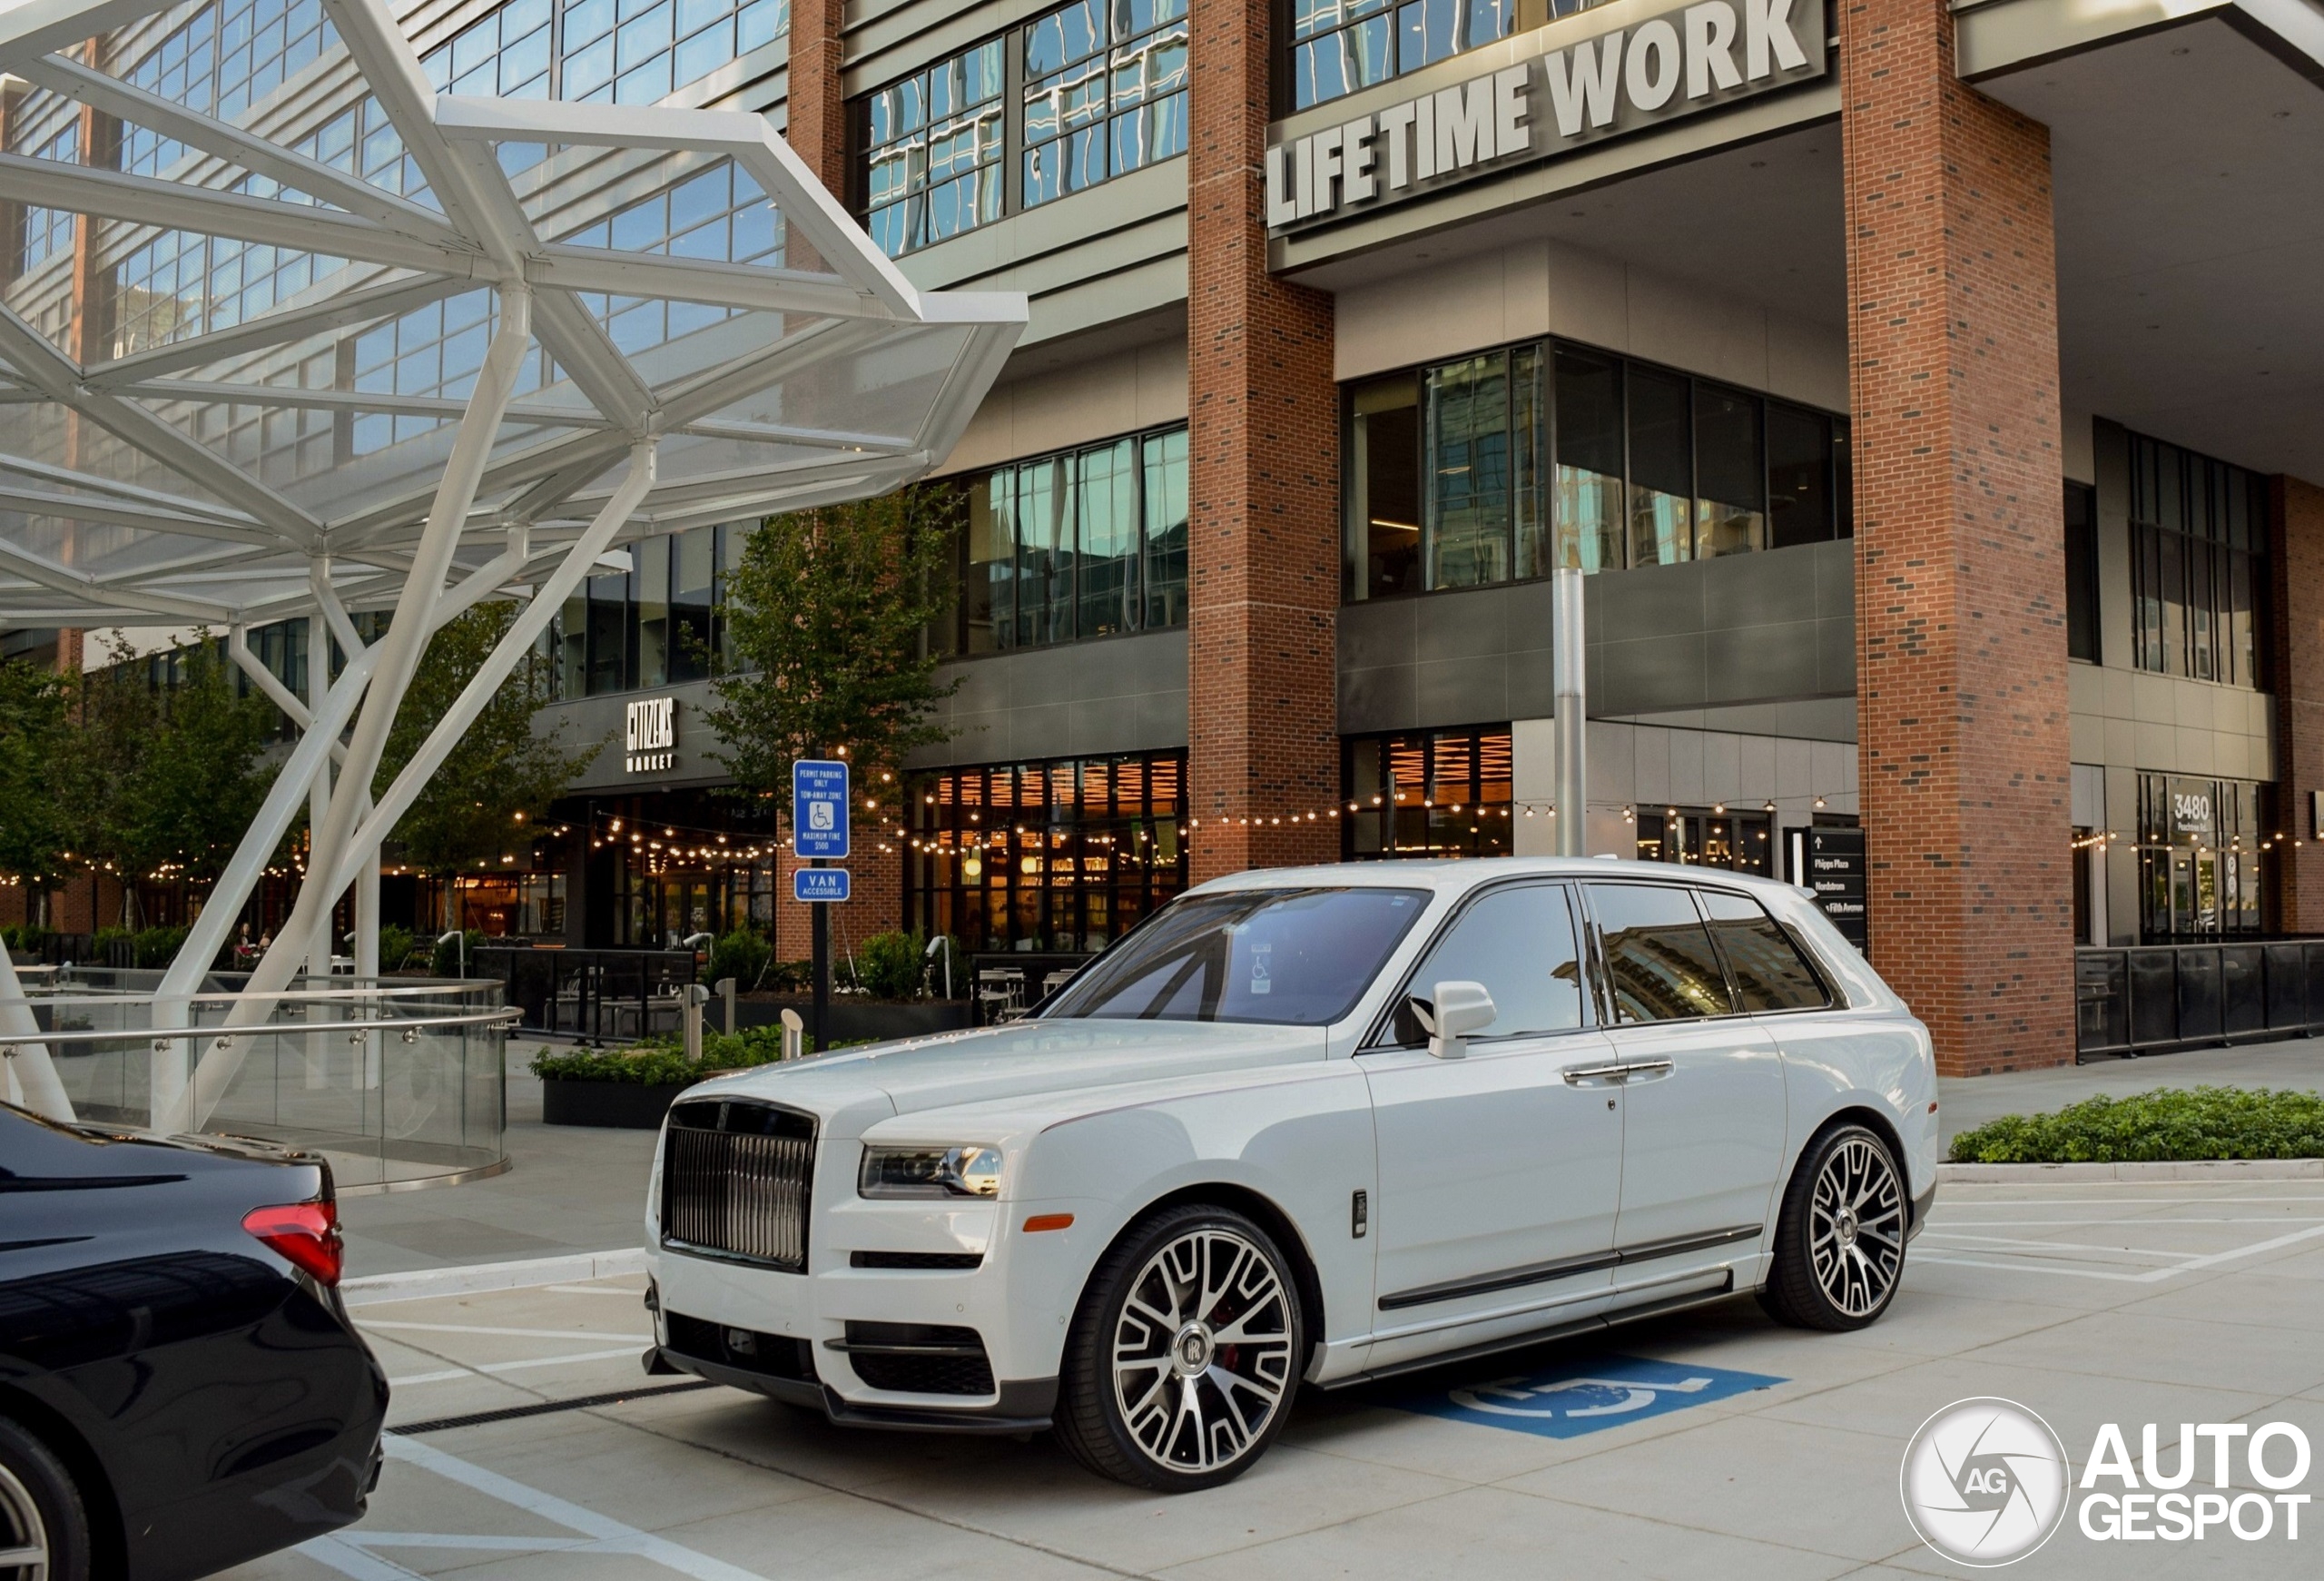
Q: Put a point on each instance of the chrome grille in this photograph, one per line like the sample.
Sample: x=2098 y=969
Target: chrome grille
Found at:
x=735 y=1181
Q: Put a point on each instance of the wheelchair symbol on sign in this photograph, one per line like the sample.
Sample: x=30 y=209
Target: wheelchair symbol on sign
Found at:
x=819 y=816
x=1605 y=1396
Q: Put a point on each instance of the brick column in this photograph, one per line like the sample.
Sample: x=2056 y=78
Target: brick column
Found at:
x=1262 y=597
x=1960 y=637
x=815 y=123
x=2295 y=635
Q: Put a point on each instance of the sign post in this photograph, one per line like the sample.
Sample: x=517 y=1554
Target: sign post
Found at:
x=819 y=833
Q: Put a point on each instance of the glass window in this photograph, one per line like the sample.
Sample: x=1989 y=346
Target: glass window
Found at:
x=1483 y=522
x=1164 y=510
x=1087 y=544
x=1385 y=510
x=1341 y=45
x=2081 y=572
x=1708 y=837
x=1659 y=961
x=1730 y=474
x=1761 y=958
x=1661 y=469
x=1590 y=458
x=2198 y=565
x=652 y=610
x=1295 y=957
x=1800 y=476
x=1105 y=92
x=1442 y=793
x=932 y=152
x=1518 y=941
x=693 y=573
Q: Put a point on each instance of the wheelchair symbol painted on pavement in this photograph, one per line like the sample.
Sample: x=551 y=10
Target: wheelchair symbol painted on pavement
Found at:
x=1588 y=1395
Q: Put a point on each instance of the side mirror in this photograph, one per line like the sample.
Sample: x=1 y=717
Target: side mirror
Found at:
x=1460 y=1009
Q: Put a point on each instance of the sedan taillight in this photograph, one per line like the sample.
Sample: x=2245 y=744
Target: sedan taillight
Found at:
x=305 y=1232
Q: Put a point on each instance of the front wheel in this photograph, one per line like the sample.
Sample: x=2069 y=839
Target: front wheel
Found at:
x=43 y=1529
x=1184 y=1353
x=1840 y=1239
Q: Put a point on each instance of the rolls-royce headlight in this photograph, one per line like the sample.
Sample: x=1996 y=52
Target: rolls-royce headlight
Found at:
x=970 y=1169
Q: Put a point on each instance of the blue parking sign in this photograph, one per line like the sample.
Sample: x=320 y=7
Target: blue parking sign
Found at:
x=812 y=885
x=819 y=809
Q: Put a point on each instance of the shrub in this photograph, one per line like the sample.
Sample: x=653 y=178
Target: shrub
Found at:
x=888 y=966
x=662 y=1062
x=23 y=940
x=395 y=945
x=743 y=955
x=113 y=947
x=154 y=948
x=789 y=976
x=444 y=960
x=2167 y=1125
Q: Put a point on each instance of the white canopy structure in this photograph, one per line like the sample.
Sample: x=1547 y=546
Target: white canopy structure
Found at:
x=466 y=350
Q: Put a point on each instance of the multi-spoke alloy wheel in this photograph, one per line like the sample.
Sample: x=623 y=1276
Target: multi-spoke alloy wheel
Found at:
x=1840 y=1242
x=1855 y=1227
x=43 y=1532
x=1186 y=1353
x=23 y=1534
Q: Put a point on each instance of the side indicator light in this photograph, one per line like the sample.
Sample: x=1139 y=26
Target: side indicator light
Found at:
x=1040 y=1221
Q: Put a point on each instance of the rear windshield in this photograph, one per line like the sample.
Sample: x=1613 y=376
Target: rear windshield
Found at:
x=1291 y=957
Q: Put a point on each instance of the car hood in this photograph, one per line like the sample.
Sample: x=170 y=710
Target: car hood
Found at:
x=856 y=1088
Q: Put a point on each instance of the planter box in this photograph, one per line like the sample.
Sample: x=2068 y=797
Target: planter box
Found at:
x=620 y=1105
x=854 y=1017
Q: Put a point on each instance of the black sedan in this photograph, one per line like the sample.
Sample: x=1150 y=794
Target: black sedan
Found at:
x=179 y=1387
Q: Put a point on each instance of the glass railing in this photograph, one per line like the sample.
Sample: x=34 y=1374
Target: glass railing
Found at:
x=396 y=1081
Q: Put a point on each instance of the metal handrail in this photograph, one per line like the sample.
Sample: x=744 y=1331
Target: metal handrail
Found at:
x=441 y=987
x=504 y=1016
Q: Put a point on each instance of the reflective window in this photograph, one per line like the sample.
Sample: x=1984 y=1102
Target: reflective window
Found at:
x=1518 y=941
x=1295 y=957
x=1105 y=92
x=1090 y=543
x=2198 y=565
x=2201 y=871
x=1766 y=964
x=619 y=52
x=1660 y=965
x=1488 y=468
x=1740 y=842
x=932 y=148
x=45 y=233
x=1339 y=46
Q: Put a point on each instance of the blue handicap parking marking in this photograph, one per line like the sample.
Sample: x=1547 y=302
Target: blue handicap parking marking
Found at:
x=1587 y=1396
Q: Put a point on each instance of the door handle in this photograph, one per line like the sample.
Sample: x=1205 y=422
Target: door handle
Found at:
x=1576 y=1075
x=1647 y=1070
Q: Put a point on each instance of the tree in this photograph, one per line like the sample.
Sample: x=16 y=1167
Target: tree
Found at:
x=827 y=615
x=501 y=776
x=149 y=776
x=34 y=836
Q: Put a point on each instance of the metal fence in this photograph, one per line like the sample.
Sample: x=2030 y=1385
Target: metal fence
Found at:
x=595 y=995
x=2153 y=999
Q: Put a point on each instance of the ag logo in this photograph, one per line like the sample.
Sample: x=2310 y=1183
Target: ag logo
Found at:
x=1984 y=1482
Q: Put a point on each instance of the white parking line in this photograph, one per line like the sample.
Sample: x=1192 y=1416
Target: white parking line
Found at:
x=2189 y=1264
x=348 y=1552
x=497 y=1367
x=520 y=1333
x=632 y=1292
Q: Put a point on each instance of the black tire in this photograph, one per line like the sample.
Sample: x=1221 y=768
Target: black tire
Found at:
x=1239 y=1390
x=40 y=1509
x=1840 y=1238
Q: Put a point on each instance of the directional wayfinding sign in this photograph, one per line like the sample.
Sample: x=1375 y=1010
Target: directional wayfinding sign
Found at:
x=819 y=884
x=819 y=810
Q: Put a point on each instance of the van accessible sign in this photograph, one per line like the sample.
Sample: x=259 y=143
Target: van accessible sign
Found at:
x=1621 y=79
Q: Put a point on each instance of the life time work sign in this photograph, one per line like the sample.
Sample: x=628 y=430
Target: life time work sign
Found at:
x=1618 y=80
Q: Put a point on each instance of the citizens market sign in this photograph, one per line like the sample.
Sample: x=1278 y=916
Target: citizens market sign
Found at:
x=1621 y=79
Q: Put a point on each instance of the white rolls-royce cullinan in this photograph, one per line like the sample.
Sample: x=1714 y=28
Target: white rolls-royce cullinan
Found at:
x=1323 y=1125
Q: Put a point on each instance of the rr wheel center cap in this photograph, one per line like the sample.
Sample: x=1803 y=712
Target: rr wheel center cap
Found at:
x=1190 y=1352
x=1846 y=1227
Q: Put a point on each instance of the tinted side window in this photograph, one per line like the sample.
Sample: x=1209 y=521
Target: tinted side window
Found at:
x=1659 y=961
x=1519 y=943
x=1766 y=967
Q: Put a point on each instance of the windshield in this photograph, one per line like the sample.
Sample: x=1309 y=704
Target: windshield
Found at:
x=1292 y=957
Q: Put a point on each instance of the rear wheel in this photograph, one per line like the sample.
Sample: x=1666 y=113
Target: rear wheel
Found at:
x=1185 y=1354
x=1840 y=1240
x=43 y=1530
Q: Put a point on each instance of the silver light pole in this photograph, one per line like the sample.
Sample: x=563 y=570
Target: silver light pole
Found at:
x=1570 y=706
